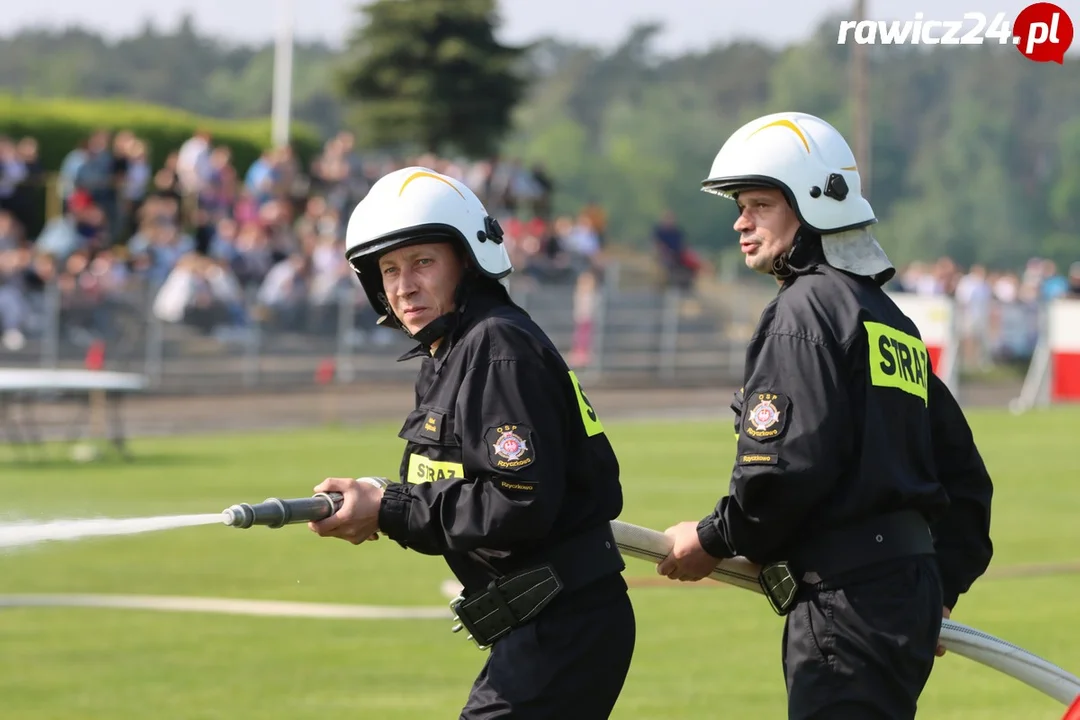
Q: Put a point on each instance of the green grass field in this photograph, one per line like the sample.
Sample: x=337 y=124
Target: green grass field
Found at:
x=704 y=650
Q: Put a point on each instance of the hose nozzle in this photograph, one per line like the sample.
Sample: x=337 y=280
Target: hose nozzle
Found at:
x=275 y=512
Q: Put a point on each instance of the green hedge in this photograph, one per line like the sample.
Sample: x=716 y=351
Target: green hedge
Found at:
x=59 y=124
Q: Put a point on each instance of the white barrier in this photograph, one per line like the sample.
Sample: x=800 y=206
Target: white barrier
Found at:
x=1054 y=373
x=935 y=317
x=1064 y=336
x=103 y=390
x=47 y=380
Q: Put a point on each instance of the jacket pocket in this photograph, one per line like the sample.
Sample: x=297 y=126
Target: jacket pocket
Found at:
x=430 y=426
x=432 y=452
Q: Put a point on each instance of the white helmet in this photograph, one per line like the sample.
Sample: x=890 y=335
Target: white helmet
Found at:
x=810 y=162
x=416 y=205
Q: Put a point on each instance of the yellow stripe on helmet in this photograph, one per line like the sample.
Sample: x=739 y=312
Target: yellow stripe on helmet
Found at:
x=433 y=176
x=790 y=126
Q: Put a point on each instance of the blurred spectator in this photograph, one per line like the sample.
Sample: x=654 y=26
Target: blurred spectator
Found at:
x=1074 y=280
x=10 y=232
x=27 y=215
x=545 y=190
x=160 y=241
x=581 y=243
x=14 y=305
x=973 y=295
x=253 y=259
x=97 y=177
x=598 y=220
x=285 y=291
x=586 y=296
x=69 y=171
x=82 y=227
x=193 y=162
x=201 y=292
x=136 y=183
x=262 y=177
x=677 y=262
x=13 y=172
x=1053 y=284
x=166 y=184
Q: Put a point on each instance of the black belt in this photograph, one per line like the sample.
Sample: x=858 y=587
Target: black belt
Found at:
x=514 y=599
x=824 y=557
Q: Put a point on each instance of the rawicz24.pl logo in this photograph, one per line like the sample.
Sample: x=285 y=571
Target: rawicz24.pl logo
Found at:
x=1041 y=32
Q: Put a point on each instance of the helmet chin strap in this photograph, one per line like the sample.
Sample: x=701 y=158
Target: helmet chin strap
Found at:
x=438 y=328
x=805 y=252
x=780 y=268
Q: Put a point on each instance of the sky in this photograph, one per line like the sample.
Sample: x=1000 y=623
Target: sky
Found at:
x=689 y=24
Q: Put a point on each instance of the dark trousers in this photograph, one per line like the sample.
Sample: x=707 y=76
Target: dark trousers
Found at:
x=862 y=647
x=570 y=662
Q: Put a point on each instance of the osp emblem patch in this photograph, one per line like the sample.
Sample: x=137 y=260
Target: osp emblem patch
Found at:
x=768 y=417
x=510 y=446
x=765 y=415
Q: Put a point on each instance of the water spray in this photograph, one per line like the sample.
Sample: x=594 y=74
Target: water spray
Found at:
x=272 y=512
x=32 y=532
x=275 y=512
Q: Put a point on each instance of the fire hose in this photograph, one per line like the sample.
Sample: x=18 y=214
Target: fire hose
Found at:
x=653 y=546
x=645 y=544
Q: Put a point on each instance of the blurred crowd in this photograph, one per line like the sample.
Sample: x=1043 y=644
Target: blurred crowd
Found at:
x=221 y=249
x=217 y=247
x=997 y=311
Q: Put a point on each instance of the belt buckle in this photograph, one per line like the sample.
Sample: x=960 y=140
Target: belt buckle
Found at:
x=779 y=586
x=459 y=624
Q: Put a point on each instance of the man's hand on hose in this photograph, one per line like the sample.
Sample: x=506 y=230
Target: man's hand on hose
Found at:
x=358 y=518
x=687 y=560
x=945 y=612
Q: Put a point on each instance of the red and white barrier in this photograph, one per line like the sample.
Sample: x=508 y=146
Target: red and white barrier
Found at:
x=935 y=317
x=1054 y=373
x=1064 y=337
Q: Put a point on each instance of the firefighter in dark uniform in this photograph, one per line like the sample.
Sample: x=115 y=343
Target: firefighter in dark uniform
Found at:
x=856 y=484
x=507 y=471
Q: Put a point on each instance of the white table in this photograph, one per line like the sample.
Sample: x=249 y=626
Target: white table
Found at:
x=24 y=386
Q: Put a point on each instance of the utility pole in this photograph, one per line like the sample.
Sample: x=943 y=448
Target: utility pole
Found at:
x=281 y=103
x=861 y=104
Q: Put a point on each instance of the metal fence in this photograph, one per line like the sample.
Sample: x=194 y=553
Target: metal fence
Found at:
x=619 y=333
x=624 y=332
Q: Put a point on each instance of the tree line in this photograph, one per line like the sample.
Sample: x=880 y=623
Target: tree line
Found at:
x=975 y=150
